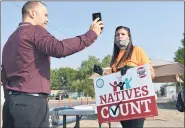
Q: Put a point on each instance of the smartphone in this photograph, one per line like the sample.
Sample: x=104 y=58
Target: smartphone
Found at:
x=96 y=15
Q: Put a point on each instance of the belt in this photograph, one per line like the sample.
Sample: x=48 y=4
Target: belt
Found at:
x=29 y=94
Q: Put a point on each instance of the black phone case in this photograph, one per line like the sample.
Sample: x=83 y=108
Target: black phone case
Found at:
x=96 y=15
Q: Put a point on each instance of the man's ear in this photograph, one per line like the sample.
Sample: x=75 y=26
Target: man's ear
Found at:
x=32 y=13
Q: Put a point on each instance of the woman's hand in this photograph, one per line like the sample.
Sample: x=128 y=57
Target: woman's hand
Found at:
x=107 y=71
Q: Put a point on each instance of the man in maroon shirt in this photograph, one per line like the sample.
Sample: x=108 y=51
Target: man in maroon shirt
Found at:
x=26 y=66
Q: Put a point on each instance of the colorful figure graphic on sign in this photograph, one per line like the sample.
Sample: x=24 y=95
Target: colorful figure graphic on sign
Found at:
x=121 y=85
x=114 y=86
x=127 y=82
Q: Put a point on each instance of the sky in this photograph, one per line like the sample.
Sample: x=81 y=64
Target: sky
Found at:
x=157 y=27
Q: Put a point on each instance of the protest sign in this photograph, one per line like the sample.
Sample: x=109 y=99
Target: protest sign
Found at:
x=126 y=97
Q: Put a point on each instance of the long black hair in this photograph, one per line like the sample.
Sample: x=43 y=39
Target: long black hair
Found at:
x=116 y=49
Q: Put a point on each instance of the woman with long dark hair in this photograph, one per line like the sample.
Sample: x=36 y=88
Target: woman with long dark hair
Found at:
x=126 y=54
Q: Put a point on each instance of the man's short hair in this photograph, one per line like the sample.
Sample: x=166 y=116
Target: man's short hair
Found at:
x=29 y=5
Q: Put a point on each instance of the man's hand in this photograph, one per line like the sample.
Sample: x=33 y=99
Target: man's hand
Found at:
x=96 y=26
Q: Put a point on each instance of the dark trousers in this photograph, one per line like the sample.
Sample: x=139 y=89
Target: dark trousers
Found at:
x=23 y=111
x=135 y=123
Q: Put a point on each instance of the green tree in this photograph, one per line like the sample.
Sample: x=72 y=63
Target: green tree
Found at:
x=78 y=80
x=63 y=77
x=88 y=87
x=76 y=85
x=84 y=84
x=86 y=67
x=54 y=79
x=66 y=76
x=106 y=61
x=179 y=54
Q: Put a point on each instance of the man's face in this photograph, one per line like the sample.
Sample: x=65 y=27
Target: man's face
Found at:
x=40 y=16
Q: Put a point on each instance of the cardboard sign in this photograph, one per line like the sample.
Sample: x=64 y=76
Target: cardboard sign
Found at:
x=125 y=97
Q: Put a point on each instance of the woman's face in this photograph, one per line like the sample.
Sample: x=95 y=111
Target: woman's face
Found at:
x=121 y=34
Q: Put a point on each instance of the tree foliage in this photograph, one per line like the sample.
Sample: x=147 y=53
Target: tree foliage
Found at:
x=78 y=80
x=179 y=54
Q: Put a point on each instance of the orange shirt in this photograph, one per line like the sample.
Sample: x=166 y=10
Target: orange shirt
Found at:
x=138 y=57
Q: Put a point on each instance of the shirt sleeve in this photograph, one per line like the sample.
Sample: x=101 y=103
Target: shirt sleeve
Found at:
x=51 y=46
x=144 y=59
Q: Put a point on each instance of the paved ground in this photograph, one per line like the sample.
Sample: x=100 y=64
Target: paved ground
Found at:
x=168 y=117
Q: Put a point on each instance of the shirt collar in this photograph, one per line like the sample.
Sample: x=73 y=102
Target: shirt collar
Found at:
x=24 y=23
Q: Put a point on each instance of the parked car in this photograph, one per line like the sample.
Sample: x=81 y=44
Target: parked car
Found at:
x=62 y=95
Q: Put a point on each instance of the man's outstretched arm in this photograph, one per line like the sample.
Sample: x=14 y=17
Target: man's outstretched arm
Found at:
x=51 y=46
